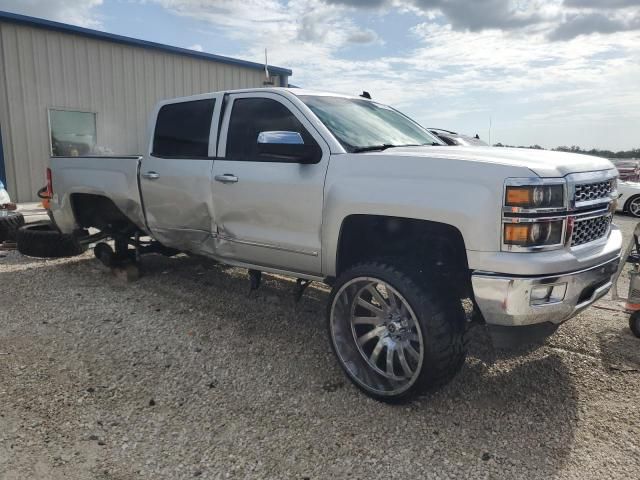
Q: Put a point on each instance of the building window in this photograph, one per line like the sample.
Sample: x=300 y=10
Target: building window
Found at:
x=72 y=133
x=182 y=129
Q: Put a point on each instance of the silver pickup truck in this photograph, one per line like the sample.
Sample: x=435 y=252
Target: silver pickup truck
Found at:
x=350 y=192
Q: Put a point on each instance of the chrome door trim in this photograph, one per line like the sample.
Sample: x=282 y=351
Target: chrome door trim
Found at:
x=251 y=243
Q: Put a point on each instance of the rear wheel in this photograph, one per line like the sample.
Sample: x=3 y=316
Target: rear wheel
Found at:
x=43 y=240
x=394 y=335
x=10 y=222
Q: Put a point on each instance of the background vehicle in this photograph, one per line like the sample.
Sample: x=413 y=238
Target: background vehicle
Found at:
x=10 y=220
x=349 y=192
x=453 y=138
x=628 y=169
x=629 y=198
x=631 y=254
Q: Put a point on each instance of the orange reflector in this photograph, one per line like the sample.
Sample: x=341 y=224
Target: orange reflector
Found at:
x=519 y=196
x=632 y=307
x=515 y=233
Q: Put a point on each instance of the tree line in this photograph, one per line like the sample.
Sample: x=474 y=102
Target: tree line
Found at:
x=633 y=153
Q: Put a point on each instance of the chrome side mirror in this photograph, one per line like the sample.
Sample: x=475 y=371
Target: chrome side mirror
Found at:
x=280 y=138
x=287 y=147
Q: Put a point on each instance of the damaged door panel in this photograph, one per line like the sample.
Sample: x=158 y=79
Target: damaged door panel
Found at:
x=175 y=179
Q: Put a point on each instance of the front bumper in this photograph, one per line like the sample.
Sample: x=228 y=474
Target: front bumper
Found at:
x=506 y=300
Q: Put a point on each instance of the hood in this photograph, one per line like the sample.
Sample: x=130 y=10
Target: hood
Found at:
x=543 y=163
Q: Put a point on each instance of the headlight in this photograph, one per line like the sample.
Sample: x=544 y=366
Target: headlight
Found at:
x=535 y=196
x=534 y=214
x=536 y=234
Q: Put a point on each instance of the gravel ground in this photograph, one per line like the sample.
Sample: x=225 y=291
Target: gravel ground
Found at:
x=182 y=374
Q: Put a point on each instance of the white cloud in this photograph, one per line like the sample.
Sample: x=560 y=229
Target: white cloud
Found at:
x=197 y=47
x=76 y=12
x=552 y=64
x=271 y=22
x=452 y=74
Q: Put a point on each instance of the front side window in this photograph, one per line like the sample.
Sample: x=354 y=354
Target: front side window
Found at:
x=249 y=117
x=363 y=124
x=182 y=129
x=72 y=133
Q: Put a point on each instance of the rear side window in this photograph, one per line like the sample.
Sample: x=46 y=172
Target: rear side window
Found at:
x=249 y=117
x=182 y=129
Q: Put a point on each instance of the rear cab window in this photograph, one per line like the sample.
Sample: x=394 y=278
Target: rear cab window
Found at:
x=182 y=129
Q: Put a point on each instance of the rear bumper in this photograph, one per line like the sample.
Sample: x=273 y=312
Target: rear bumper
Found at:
x=507 y=301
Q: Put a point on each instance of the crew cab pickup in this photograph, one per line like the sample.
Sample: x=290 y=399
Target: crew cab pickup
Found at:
x=348 y=191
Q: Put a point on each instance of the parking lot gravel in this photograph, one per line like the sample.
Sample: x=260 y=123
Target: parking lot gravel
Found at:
x=184 y=374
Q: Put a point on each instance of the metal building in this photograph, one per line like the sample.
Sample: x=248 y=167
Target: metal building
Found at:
x=66 y=90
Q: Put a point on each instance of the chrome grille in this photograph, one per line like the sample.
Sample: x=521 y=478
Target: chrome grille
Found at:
x=585 y=231
x=593 y=191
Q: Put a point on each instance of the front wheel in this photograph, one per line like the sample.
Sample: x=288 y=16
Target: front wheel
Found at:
x=394 y=334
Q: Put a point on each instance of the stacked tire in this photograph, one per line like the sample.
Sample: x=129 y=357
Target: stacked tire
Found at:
x=10 y=222
x=44 y=240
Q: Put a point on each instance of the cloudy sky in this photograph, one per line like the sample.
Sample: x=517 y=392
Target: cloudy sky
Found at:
x=551 y=72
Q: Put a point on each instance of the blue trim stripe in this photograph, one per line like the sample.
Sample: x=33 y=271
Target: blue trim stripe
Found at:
x=110 y=37
x=3 y=173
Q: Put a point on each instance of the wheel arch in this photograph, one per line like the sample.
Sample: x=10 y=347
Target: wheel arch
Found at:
x=101 y=212
x=434 y=245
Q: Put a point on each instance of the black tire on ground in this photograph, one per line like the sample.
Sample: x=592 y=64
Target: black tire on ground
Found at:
x=437 y=314
x=10 y=222
x=43 y=240
x=634 y=323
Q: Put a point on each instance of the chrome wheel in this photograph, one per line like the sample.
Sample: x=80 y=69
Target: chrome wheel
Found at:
x=376 y=336
x=634 y=207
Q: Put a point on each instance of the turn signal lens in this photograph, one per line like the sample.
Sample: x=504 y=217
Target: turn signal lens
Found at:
x=49 y=183
x=518 y=196
x=533 y=234
x=516 y=233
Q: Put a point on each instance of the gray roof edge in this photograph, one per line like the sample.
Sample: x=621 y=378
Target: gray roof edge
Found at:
x=111 y=37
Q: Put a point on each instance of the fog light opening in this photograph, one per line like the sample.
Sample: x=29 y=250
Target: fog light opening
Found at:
x=546 y=294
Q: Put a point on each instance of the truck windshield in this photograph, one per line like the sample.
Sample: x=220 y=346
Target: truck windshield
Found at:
x=363 y=125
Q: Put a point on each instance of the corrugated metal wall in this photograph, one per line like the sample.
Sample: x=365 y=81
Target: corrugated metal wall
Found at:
x=42 y=69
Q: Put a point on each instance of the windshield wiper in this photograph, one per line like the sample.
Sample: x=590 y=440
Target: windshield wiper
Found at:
x=384 y=146
x=372 y=148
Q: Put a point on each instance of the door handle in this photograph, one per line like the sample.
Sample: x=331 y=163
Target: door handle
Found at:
x=151 y=175
x=226 y=178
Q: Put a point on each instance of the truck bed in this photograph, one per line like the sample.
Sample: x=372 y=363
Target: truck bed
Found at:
x=113 y=177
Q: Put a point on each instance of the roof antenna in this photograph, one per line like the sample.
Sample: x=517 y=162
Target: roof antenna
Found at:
x=268 y=80
x=365 y=95
x=490 y=122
